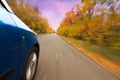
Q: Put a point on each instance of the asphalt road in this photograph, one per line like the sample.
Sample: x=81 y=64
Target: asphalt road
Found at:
x=60 y=61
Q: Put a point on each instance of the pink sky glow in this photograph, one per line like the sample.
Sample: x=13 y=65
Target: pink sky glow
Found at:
x=54 y=10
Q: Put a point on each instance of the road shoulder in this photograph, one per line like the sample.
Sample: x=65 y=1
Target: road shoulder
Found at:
x=108 y=65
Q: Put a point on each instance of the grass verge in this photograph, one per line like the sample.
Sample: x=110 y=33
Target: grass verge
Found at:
x=108 y=58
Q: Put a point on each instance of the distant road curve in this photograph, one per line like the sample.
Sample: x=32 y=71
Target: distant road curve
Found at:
x=60 y=61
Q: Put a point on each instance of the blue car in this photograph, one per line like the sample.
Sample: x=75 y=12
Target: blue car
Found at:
x=19 y=47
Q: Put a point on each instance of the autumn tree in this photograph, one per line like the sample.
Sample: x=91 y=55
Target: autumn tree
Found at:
x=30 y=15
x=97 y=25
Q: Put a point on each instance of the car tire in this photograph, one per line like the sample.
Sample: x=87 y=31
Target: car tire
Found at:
x=31 y=65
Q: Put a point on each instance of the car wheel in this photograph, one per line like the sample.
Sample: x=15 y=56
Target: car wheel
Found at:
x=31 y=65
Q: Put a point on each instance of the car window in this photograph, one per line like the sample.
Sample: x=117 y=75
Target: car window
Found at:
x=6 y=6
x=0 y=5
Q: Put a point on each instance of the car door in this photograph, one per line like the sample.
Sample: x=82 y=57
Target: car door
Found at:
x=9 y=45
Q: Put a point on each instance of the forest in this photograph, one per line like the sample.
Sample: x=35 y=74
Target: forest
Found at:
x=94 y=21
x=31 y=15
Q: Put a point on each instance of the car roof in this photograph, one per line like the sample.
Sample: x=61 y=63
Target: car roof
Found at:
x=6 y=5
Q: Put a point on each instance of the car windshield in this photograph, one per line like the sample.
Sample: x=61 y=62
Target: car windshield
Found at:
x=7 y=6
x=0 y=5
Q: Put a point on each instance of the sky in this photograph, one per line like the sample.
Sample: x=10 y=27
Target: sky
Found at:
x=54 y=10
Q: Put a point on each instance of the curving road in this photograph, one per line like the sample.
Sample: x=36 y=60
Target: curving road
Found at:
x=60 y=61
